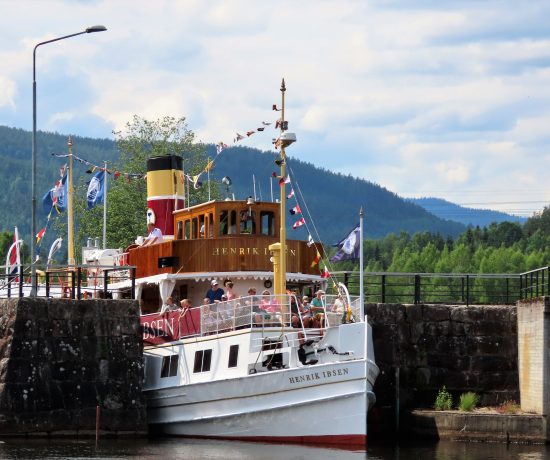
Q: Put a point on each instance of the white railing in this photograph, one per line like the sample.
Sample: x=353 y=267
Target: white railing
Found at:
x=276 y=311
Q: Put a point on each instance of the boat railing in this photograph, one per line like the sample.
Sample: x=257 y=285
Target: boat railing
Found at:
x=264 y=311
x=73 y=282
x=245 y=312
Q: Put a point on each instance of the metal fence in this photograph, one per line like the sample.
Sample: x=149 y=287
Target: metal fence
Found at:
x=535 y=283
x=460 y=288
x=75 y=282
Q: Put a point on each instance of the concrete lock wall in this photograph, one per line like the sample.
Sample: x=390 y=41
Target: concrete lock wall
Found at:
x=465 y=348
x=534 y=343
x=59 y=359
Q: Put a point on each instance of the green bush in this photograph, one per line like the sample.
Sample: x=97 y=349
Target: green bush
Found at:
x=444 y=400
x=468 y=401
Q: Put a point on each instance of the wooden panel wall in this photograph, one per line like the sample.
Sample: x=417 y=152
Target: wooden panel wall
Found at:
x=238 y=253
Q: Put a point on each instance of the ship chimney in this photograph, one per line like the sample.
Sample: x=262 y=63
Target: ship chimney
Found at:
x=165 y=192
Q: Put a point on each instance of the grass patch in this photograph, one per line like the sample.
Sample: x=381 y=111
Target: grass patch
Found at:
x=468 y=401
x=508 y=408
x=444 y=400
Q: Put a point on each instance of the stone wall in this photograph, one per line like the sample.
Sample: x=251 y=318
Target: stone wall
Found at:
x=59 y=359
x=465 y=348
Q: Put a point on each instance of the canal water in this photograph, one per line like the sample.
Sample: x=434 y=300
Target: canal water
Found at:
x=176 y=449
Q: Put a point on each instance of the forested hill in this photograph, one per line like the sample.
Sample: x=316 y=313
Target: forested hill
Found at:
x=467 y=216
x=332 y=199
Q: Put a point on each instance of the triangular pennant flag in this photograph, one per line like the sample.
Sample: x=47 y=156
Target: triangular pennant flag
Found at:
x=275 y=108
x=291 y=194
x=249 y=133
x=299 y=223
x=316 y=260
x=285 y=180
x=210 y=164
x=295 y=210
x=310 y=241
x=261 y=129
x=325 y=273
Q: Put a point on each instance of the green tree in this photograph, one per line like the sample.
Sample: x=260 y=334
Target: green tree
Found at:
x=127 y=199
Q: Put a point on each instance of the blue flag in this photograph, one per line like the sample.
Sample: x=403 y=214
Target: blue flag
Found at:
x=96 y=189
x=56 y=197
x=349 y=246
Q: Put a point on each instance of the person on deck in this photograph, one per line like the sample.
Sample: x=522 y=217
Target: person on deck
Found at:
x=215 y=292
x=168 y=306
x=318 y=308
x=154 y=236
x=231 y=294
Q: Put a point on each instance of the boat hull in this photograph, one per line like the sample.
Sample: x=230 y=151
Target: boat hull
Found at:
x=318 y=404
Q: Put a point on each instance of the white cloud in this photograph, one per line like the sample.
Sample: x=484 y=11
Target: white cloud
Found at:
x=417 y=96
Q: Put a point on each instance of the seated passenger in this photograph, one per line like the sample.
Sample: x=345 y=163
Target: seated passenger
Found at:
x=318 y=308
x=154 y=236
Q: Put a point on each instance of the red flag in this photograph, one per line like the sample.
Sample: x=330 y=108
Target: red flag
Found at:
x=291 y=194
x=325 y=273
x=39 y=235
x=298 y=223
x=249 y=133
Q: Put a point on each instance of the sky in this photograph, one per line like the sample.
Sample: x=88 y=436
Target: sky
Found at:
x=424 y=97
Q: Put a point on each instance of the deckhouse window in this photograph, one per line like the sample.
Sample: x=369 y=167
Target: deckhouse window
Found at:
x=195 y=228
x=210 y=225
x=233 y=356
x=187 y=229
x=180 y=230
x=247 y=222
x=267 y=223
x=203 y=358
x=224 y=224
x=232 y=222
x=169 y=366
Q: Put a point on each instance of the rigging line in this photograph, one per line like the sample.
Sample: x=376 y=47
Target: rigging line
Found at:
x=302 y=199
x=326 y=261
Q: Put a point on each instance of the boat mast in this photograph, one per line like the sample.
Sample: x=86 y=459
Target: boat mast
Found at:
x=278 y=250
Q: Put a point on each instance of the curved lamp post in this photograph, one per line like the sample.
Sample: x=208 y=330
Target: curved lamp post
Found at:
x=33 y=159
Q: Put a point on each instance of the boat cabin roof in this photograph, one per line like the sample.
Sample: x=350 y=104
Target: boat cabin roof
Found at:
x=227 y=218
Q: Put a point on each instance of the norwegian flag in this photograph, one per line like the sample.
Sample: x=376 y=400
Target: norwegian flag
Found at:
x=291 y=194
x=299 y=223
x=295 y=210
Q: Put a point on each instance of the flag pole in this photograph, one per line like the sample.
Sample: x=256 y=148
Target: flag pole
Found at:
x=105 y=205
x=361 y=274
x=70 y=236
x=208 y=177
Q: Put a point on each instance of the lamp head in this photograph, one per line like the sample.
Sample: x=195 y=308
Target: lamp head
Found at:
x=92 y=29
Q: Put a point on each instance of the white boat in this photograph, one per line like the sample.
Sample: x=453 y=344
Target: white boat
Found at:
x=232 y=378
x=230 y=369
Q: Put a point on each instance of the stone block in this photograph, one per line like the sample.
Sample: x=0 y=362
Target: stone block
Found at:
x=413 y=313
x=468 y=314
x=435 y=313
x=67 y=348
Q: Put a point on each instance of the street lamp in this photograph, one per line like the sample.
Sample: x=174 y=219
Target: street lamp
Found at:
x=33 y=158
